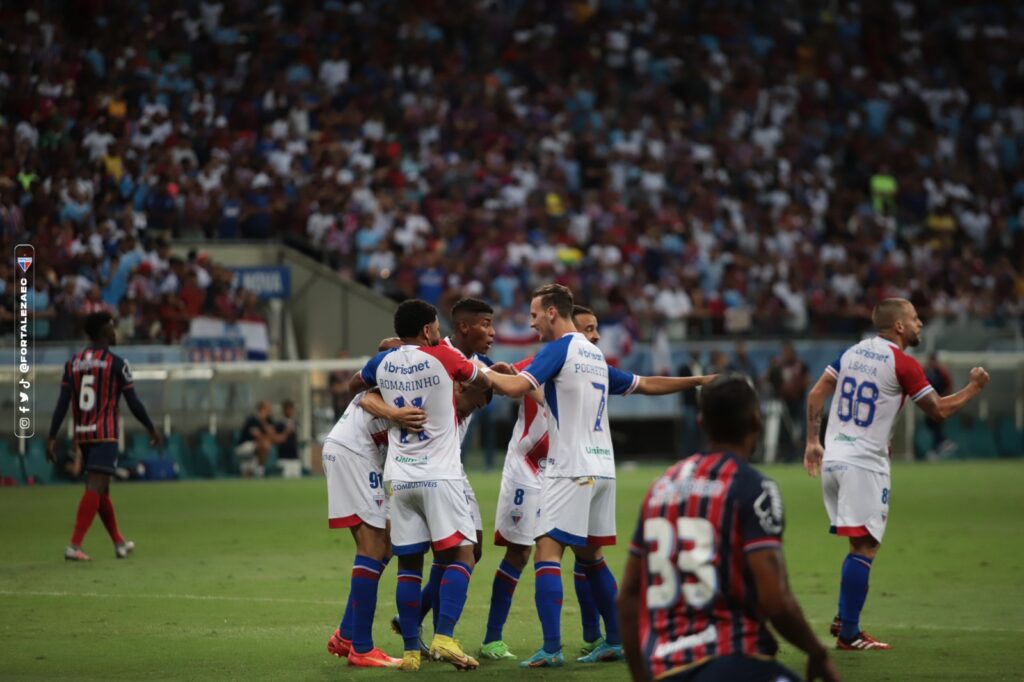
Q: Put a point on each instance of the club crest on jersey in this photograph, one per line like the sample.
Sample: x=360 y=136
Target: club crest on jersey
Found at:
x=24 y=262
x=768 y=507
x=517 y=516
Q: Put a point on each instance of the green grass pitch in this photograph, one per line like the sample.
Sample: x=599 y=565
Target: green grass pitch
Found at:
x=243 y=579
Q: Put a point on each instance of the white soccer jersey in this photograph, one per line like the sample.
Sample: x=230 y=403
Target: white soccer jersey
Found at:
x=577 y=381
x=873 y=379
x=421 y=377
x=361 y=433
x=527 y=454
x=464 y=425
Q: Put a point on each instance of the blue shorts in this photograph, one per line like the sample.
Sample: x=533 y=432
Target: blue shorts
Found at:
x=737 y=667
x=99 y=457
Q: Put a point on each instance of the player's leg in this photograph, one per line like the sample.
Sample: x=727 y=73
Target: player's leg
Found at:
x=863 y=506
x=738 y=667
x=372 y=551
x=100 y=463
x=590 y=616
x=565 y=508
x=605 y=591
x=452 y=531
x=122 y=547
x=514 y=524
x=410 y=539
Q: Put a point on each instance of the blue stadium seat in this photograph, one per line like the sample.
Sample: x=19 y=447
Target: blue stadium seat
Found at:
x=37 y=469
x=1010 y=440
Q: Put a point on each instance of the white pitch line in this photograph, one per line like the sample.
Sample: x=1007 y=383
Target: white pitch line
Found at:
x=327 y=602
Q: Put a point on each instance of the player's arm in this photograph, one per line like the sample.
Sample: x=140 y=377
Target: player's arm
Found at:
x=410 y=418
x=822 y=391
x=945 y=407
x=667 y=385
x=629 y=618
x=63 y=402
x=512 y=386
x=366 y=377
x=777 y=602
x=126 y=385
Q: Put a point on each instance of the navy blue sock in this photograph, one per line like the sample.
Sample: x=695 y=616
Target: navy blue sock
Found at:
x=548 y=598
x=429 y=596
x=606 y=593
x=853 y=592
x=345 y=627
x=504 y=586
x=407 y=594
x=452 y=597
x=365 y=578
x=589 y=614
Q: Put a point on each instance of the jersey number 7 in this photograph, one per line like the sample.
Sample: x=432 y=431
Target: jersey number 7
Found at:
x=600 y=408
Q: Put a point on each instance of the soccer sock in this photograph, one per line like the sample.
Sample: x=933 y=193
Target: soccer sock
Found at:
x=548 y=598
x=853 y=592
x=430 y=598
x=407 y=594
x=606 y=592
x=365 y=578
x=452 y=597
x=345 y=627
x=504 y=586
x=589 y=614
x=106 y=511
x=87 y=508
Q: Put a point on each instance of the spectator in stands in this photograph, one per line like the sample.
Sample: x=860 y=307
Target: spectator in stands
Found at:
x=742 y=364
x=938 y=376
x=288 y=450
x=788 y=378
x=257 y=436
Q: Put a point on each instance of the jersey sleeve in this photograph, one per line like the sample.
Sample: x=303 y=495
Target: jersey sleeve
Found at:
x=834 y=366
x=369 y=371
x=911 y=376
x=621 y=383
x=458 y=367
x=548 y=362
x=123 y=374
x=484 y=359
x=761 y=515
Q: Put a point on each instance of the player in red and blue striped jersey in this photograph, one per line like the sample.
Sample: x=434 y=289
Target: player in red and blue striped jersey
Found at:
x=705 y=572
x=94 y=381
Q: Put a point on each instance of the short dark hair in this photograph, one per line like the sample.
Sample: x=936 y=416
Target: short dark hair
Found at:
x=412 y=316
x=886 y=313
x=95 y=322
x=557 y=296
x=728 y=408
x=287 y=403
x=578 y=310
x=471 y=306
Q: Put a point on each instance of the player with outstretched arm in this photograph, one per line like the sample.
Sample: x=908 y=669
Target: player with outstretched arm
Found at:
x=874 y=378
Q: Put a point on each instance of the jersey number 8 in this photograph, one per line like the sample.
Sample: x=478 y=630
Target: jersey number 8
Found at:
x=853 y=397
x=697 y=561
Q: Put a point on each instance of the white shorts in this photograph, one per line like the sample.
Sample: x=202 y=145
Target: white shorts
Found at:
x=355 y=489
x=474 y=506
x=857 y=500
x=427 y=514
x=578 y=511
x=515 y=521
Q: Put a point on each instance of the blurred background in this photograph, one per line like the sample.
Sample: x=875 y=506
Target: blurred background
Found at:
x=251 y=187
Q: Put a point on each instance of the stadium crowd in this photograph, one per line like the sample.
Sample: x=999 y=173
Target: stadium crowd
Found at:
x=716 y=166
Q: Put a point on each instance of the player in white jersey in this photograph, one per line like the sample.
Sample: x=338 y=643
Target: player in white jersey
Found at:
x=472 y=336
x=874 y=378
x=423 y=472
x=519 y=507
x=353 y=462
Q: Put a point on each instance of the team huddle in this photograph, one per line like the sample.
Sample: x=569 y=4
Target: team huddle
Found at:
x=705 y=572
